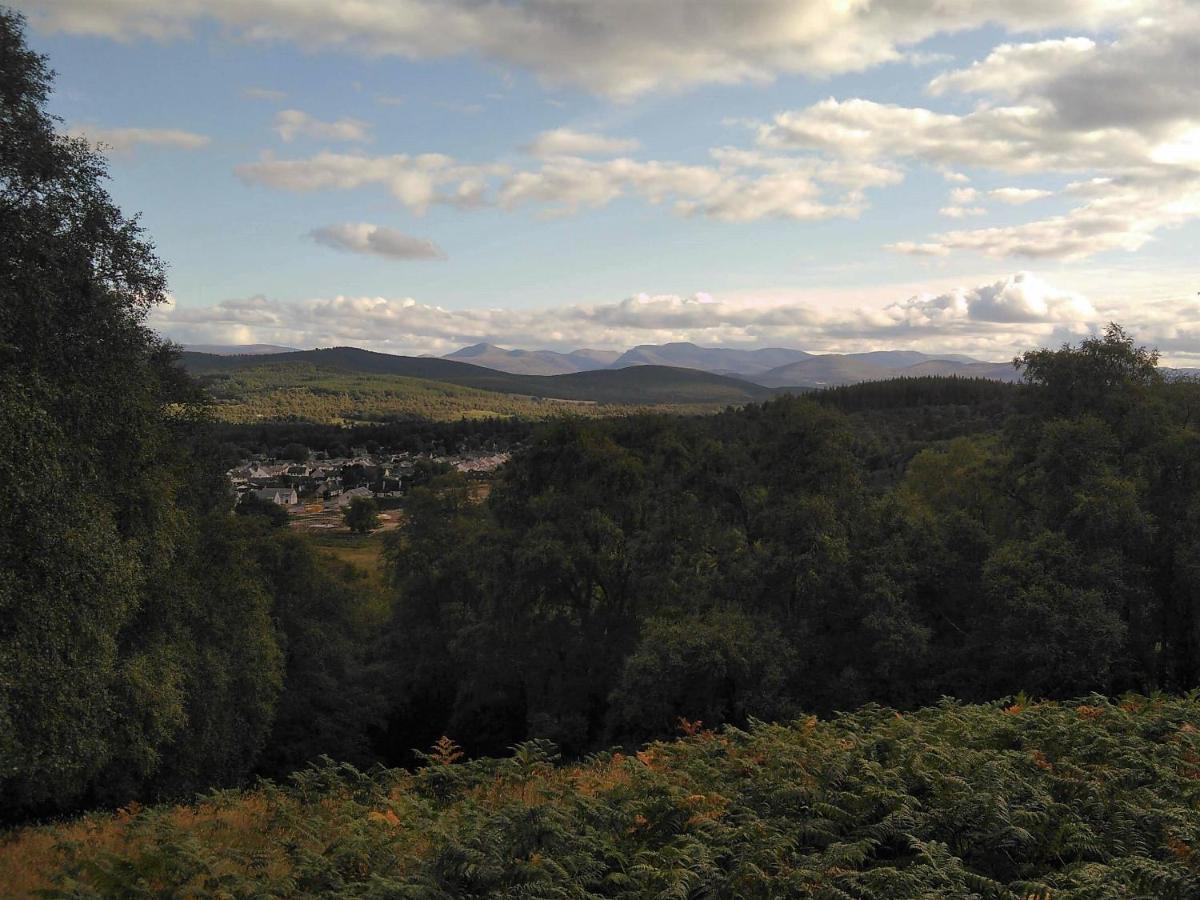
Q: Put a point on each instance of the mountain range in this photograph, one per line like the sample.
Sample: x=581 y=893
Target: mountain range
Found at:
x=773 y=367
x=629 y=385
x=675 y=373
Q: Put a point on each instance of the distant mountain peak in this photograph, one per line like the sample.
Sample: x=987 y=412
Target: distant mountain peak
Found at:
x=475 y=350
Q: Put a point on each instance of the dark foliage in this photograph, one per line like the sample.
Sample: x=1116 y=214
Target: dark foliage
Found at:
x=142 y=649
x=788 y=556
x=411 y=435
x=362 y=515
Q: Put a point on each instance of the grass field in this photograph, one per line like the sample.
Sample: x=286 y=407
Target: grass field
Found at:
x=363 y=551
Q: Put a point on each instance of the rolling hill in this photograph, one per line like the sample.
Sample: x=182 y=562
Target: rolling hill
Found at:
x=644 y=385
x=299 y=392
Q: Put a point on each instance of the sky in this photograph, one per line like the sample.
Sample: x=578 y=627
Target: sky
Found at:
x=833 y=175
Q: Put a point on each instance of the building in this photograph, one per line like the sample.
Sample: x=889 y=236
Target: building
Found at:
x=345 y=499
x=284 y=496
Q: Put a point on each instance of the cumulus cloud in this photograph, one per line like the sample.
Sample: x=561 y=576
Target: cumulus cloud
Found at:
x=1010 y=138
x=1120 y=214
x=414 y=181
x=568 y=142
x=125 y=141
x=1122 y=115
x=1144 y=79
x=961 y=212
x=1024 y=298
x=621 y=47
x=738 y=186
x=992 y=321
x=958 y=207
x=293 y=123
x=375 y=240
x=1016 y=196
x=1013 y=69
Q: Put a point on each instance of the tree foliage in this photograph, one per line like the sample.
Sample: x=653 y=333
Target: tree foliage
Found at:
x=626 y=573
x=139 y=649
x=361 y=515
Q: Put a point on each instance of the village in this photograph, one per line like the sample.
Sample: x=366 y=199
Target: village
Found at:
x=315 y=491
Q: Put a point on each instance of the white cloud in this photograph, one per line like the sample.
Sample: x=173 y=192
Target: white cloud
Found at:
x=568 y=142
x=1120 y=214
x=620 y=47
x=1012 y=69
x=124 y=141
x=1024 y=298
x=1017 y=196
x=739 y=186
x=293 y=123
x=1144 y=79
x=1010 y=139
x=362 y=237
x=1122 y=115
x=961 y=212
x=958 y=207
x=414 y=181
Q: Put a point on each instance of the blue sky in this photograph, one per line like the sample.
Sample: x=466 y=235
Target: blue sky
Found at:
x=827 y=175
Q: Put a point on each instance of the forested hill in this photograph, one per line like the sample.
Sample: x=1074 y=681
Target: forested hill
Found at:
x=638 y=385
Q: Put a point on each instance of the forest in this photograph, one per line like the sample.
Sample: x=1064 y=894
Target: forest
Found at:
x=475 y=721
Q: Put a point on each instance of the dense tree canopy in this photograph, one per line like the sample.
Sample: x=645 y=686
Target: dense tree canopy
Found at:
x=141 y=644
x=788 y=556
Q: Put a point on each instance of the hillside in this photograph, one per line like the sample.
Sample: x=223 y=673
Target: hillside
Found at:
x=831 y=370
x=1023 y=800
x=300 y=392
x=991 y=371
x=641 y=385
